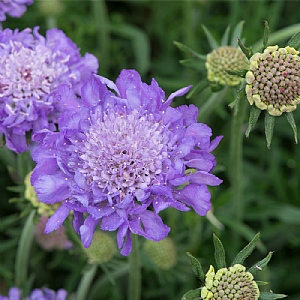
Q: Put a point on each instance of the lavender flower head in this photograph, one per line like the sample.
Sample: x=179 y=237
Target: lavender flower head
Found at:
x=31 y=68
x=14 y=8
x=36 y=294
x=122 y=157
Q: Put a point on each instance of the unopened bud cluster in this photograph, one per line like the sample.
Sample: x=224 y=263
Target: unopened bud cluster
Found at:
x=273 y=81
x=230 y=283
x=163 y=254
x=222 y=59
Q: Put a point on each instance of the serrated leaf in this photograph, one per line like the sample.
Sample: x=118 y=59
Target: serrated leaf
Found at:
x=271 y=296
x=237 y=32
x=269 y=128
x=246 y=251
x=211 y=40
x=290 y=118
x=225 y=37
x=247 y=51
x=294 y=41
x=219 y=253
x=266 y=35
x=196 y=267
x=254 y=115
x=260 y=265
x=203 y=84
x=189 y=51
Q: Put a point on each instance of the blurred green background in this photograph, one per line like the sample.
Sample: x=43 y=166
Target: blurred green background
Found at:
x=140 y=35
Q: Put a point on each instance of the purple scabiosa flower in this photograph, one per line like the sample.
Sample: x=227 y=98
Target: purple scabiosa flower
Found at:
x=36 y=294
x=14 y=8
x=122 y=157
x=31 y=68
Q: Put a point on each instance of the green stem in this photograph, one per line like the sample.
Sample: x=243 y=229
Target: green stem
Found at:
x=103 y=34
x=236 y=159
x=85 y=283
x=23 y=252
x=134 y=291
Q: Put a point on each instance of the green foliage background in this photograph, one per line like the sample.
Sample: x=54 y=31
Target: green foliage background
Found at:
x=140 y=35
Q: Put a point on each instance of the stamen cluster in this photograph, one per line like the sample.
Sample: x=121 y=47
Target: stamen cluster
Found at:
x=273 y=80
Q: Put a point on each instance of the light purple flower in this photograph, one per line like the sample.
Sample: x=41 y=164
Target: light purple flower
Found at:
x=122 y=157
x=31 y=68
x=36 y=294
x=14 y=8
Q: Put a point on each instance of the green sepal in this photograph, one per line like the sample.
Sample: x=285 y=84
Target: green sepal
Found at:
x=240 y=73
x=189 y=51
x=211 y=40
x=266 y=35
x=192 y=295
x=216 y=87
x=194 y=63
x=247 y=51
x=246 y=251
x=269 y=127
x=260 y=265
x=290 y=118
x=261 y=282
x=225 y=37
x=254 y=115
x=203 y=84
x=271 y=296
x=237 y=32
x=196 y=267
x=219 y=253
x=295 y=41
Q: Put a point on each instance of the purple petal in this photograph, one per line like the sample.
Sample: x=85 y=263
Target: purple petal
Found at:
x=87 y=231
x=178 y=93
x=90 y=92
x=57 y=218
x=78 y=221
x=196 y=196
x=201 y=177
x=214 y=143
x=110 y=84
x=111 y=222
x=127 y=245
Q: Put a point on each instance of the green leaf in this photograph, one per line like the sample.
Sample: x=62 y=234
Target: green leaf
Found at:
x=23 y=252
x=219 y=253
x=260 y=265
x=225 y=37
x=247 y=51
x=85 y=282
x=269 y=128
x=261 y=282
x=203 y=84
x=246 y=251
x=271 y=296
x=196 y=267
x=211 y=40
x=237 y=32
x=266 y=35
x=192 y=295
x=295 y=41
x=290 y=118
x=189 y=51
x=240 y=73
x=254 y=115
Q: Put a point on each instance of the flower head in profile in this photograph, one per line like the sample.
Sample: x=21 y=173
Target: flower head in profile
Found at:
x=40 y=294
x=122 y=157
x=234 y=282
x=13 y=8
x=225 y=56
x=31 y=68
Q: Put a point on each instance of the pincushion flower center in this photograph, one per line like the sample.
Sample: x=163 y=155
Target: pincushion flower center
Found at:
x=124 y=152
x=27 y=73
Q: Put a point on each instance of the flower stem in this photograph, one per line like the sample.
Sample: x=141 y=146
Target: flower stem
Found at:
x=236 y=160
x=134 y=291
x=85 y=282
